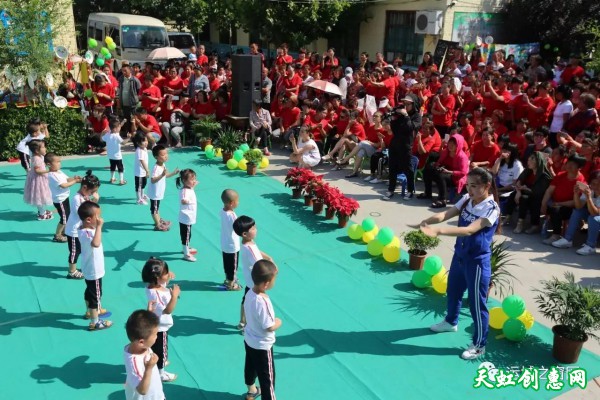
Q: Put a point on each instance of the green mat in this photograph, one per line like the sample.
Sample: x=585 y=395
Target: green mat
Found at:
x=354 y=327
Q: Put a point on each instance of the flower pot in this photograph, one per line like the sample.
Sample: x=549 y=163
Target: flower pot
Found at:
x=317 y=206
x=226 y=157
x=308 y=200
x=251 y=169
x=296 y=193
x=565 y=350
x=342 y=220
x=329 y=213
x=416 y=261
x=204 y=143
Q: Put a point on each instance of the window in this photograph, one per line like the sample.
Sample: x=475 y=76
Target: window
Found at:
x=113 y=32
x=401 y=39
x=181 y=40
x=144 y=37
x=98 y=36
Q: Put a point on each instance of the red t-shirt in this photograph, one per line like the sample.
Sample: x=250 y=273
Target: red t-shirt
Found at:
x=491 y=104
x=152 y=91
x=314 y=126
x=372 y=134
x=468 y=132
x=481 y=153
x=282 y=60
x=221 y=110
x=389 y=90
x=357 y=129
x=215 y=84
x=564 y=186
x=173 y=84
x=500 y=131
x=203 y=59
x=446 y=119
x=165 y=113
x=430 y=143
x=540 y=119
x=519 y=107
x=570 y=72
x=294 y=81
x=471 y=103
x=329 y=64
x=98 y=126
x=434 y=87
x=152 y=123
x=518 y=139
x=288 y=117
x=204 y=108
x=107 y=89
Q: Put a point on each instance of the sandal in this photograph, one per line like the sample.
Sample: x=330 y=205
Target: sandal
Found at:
x=423 y=196
x=59 y=239
x=123 y=182
x=113 y=180
x=232 y=286
x=77 y=274
x=438 y=204
x=252 y=396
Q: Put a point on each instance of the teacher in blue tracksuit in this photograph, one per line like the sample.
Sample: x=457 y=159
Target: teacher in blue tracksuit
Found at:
x=470 y=270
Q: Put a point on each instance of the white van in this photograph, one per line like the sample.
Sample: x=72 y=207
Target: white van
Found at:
x=181 y=40
x=135 y=35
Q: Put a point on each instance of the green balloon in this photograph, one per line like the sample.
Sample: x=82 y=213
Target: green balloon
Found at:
x=107 y=56
x=244 y=147
x=88 y=93
x=433 y=265
x=355 y=231
x=385 y=236
x=104 y=51
x=547 y=46
x=514 y=330
x=210 y=154
x=513 y=306
x=238 y=155
x=209 y=147
x=556 y=49
x=368 y=224
x=112 y=46
x=92 y=43
x=232 y=164
x=99 y=61
x=375 y=248
x=421 y=279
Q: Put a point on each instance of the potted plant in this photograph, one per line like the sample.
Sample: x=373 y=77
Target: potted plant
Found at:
x=330 y=197
x=501 y=279
x=319 y=191
x=205 y=130
x=576 y=310
x=291 y=180
x=228 y=140
x=344 y=208
x=253 y=158
x=418 y=243
x=303 y=183
x=308 y=188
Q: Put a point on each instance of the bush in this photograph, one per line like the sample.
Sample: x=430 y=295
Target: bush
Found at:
x=67 y=131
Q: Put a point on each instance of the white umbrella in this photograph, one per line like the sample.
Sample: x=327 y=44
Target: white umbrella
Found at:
x=325 y=87
x=165 y=53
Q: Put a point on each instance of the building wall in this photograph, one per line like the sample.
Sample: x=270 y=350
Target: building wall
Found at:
x=67 y=36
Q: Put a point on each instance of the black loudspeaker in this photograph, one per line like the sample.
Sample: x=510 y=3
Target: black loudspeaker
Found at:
x=246 y=77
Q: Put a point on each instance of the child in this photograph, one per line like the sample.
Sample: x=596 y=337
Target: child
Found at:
x=35 y=130
x=230 y=242
x=140 y=167
x=113 y=142
x=92 y=262
x=143 y=379
x=246 y=228
x=88 y=191
x=59 y=184
x=259 y=334
x=478 y=220
x=37 y=190
x=187 y=211
x=162 y=301
x=156 y=188
x=306 y=152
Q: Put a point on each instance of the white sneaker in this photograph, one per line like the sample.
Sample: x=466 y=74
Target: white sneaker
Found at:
x=376 y=180
x=189 y=257
x=586 y=250
x=369 y=178
x=443 y=326
x=145 y=197
x=142 y=202
x=562 y=243
x=167 y=376
x=551 y=239
x=472 y=352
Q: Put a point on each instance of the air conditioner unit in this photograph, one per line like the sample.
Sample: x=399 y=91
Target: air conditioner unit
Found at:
x=429 y=22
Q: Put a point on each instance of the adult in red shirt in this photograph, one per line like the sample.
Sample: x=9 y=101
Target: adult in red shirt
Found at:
x=470 y=99
x=558 y=201
x=202 y=58
x=375 y=134
x=172 y=84
x=484 y=152
x=541 y=106
x=498 y=124
x=467 y=130
x=148 y=125
x=354 y=133
x=317 y=123
x=289 y=114
x=387 y=86
x=427 y=63
x=292 y=81
x=99 y=126
x=434 y=83
x=443 y=110
x=573 y=70
x=301 y=57
x=104 y=92
x=283 y=58
x=517 y=136
x=495 y=98
x=157 y=76
x=213 y=81
x=426 y=141
x=203 y=108
x=221 y=105
x=107 y=70
x=328 y=62
x=150 y=95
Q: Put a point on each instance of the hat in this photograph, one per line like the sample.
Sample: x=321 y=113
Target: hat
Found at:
x=390 y=69
x=192 y=57
x=348 y=71
x=481 y=64
x=409 y=99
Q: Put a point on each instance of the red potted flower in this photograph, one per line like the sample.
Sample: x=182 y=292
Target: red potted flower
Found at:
x=319 y=191
x=309 y=187
x=292 y=180
x=330 y=197
x=304 y=182
x=344 y=208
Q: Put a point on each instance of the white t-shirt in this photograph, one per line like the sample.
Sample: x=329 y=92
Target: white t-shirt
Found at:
x=73 y=222
x=187 y=212
x=230 y=241
x=113 y=142
x=487 y=209
x=156 y=191
x=595 y=199
x=507 y=176
x=135 y=368
x=249 y=255
x=92 y=258
x=311 y=154
x=22 y=146
x=140 y=155
x=161 y=299
x=259 y=317
x=55 y=179
x=564 y=107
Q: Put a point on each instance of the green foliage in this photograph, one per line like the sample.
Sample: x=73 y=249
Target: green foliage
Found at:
x=228 y=140
x=67 y=131
x=253 y=156
x=575 y=306
x=501 y=279
x=592 y=30
x=206 y=128
x=418 y=243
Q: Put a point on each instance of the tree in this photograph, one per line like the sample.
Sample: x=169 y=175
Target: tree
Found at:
x=592 y=30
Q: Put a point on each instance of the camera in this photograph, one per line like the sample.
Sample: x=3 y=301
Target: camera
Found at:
x=393 y=112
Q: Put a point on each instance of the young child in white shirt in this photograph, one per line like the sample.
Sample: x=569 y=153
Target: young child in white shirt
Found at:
x=230 y=242
x=59 y=184
x=113 y=142
x=143 y=379
x=92 y=261
x=157 y=186
x=187 y=210
x=35 y=130
x=140 y=167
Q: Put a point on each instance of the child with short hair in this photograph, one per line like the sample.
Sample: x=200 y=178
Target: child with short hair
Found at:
x=88 y=191
x=143 y=379
x=187 y=210
x=35 y=130
x=157 y=186
x=162 y=302
x=140 y=167
x=37 y=190
x=59 y=184
x=230 y=242
x=113 y=142
x=245 y=227
x=92 y=262
x=259 y=335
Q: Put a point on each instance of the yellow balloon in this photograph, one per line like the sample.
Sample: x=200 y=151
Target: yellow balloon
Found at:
x=527 y=319
x=355 y=232
x=243 y=164
x=218 y=153
x=497 y=317
x=395 y=241
x=391 y=253
x=368 y=236
x=264 y=163
x=375 y=230
x=440 y=282
x=232 y=164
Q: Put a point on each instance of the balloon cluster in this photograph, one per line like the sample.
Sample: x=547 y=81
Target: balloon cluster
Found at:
x=433 y=275
x=105 y=52
x=237 y=161
x=379 y=241
x=512 y=318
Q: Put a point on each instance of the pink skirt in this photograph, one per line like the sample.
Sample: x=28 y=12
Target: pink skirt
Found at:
x=37 y=191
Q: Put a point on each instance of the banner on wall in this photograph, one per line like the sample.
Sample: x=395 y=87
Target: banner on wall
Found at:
x=468 y=25
x=520 y=51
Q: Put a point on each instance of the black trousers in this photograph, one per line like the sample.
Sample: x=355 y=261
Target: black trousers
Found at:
x=557 y=216
x=185 y=233
x=161 y=347
x=377 y=159
x=116 y=164
x=442 y=180
x=93 y=294
x=64 y=209
x=25 y=160
x=529 y=204
x=399 y=163
x=230 y=265
x=74 y=249
x=259 y=364
x=95 y=140
x=330 y=140
x=140 y=185
x=263 y=134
